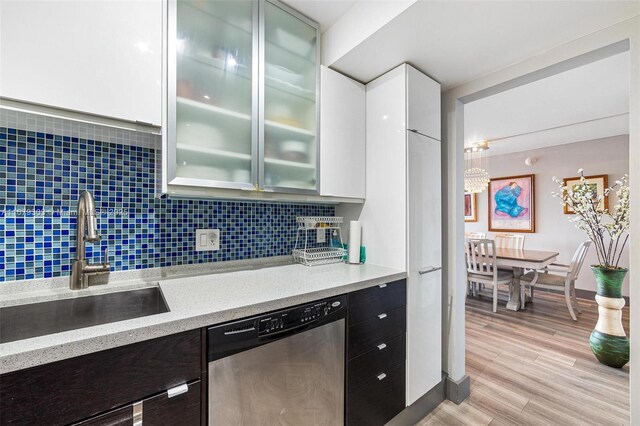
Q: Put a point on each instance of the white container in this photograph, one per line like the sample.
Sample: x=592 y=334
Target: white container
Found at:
x=355 y=233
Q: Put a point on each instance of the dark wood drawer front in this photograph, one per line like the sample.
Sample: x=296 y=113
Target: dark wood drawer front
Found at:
x=365 y=335
x=120 y=417
x=183 y=409
x=378 y=401
x=382 y=357
x=367 y=303
x=78 y=388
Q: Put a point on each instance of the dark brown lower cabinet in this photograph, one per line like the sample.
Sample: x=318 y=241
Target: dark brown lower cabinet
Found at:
x=79 y=388
x=158 y=410
x=376 y=354
x=183 y=409
x=378 y=400
x=119 y=417
x=371 y=364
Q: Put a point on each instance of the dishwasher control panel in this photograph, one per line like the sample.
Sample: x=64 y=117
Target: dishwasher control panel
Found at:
x=226 y=339
x=292 y=318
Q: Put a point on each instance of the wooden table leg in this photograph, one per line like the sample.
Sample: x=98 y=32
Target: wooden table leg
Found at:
x=514 y=293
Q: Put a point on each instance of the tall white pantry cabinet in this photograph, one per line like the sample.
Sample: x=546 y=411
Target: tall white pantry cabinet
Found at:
x=401 y=217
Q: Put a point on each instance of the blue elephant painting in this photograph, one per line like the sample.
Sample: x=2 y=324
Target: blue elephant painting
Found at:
x=512 y=203
x=507 y=200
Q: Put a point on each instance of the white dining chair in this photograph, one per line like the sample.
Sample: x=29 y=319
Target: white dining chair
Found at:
x=509 y=241
x=475 y=235
x=564 y=278
x=482 y=269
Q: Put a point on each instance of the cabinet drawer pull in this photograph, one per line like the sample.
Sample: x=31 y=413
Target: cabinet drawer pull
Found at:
x=381 y=376
x=382 y=285
x=382 y=316
x=381 y=346
x=178 y=390
x=137 y=414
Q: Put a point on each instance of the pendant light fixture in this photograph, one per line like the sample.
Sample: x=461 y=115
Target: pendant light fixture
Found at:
x=476 y=177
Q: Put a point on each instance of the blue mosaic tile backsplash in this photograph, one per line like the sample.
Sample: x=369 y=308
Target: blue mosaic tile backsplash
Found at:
x=41 y=175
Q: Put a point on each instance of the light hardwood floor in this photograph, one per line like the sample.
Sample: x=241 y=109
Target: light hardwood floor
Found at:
x=534 y=367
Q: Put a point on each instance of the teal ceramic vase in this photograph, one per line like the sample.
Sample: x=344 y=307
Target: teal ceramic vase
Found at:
x=608 y=341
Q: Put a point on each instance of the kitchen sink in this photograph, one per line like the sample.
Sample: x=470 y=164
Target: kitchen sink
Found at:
x=39 y=319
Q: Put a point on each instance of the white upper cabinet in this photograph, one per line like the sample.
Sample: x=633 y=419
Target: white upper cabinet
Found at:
x=423 y=104
x=342 y=135
x=100 y=57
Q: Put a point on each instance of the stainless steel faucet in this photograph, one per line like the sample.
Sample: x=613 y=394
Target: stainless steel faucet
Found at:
x=86 y=230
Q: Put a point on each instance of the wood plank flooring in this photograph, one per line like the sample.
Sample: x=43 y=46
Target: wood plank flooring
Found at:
x=534 y=367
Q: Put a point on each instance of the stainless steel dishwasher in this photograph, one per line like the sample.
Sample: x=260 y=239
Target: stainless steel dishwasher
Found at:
x=281 y=368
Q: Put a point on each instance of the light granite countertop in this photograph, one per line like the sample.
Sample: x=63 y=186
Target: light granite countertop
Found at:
x=194 y=302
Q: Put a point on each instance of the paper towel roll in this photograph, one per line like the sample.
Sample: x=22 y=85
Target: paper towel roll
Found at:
x=355 y=231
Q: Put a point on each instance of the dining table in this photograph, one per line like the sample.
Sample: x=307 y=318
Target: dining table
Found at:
x=519 y=260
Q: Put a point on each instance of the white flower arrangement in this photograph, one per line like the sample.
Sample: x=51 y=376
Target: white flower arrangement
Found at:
x=609 y=230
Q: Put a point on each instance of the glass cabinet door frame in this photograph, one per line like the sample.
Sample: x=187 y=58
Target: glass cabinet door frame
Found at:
x=170 y=145
x=170 y=74
x=261 y=122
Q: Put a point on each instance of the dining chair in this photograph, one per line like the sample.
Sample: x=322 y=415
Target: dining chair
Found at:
x=509 y=241
x=564 y=278
x=482 y=269
x=475 y=235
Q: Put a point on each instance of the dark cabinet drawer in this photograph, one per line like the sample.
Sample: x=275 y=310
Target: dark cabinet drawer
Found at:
x=120 y=417
x=367 y=334
x=74 y=389
x=378 y=401
x=369 y=365
x=369 y=302
x=160 y=410
x=183 y=409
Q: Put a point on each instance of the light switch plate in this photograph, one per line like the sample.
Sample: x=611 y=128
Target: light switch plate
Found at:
x=207 y=239
x=321 y=235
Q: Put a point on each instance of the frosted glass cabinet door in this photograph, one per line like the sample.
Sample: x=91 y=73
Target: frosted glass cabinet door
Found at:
x=215 y=81
x=289 y=96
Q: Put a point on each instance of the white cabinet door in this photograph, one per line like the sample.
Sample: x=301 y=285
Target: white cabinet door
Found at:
x=425 y=201
x=424 y=285
x=424 y=333
x=101 y=57
x=384 y=213
x=342 y=135
x=423 y=103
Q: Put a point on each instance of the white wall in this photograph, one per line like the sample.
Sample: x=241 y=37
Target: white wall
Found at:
x=554 y=232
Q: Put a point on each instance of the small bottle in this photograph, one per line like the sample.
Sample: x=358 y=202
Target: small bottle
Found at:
x=335 y=241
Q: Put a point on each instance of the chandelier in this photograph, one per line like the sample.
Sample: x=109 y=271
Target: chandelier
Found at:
x=476 y=177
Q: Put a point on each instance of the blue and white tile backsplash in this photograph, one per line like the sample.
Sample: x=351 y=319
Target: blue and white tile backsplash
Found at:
x=41 y=175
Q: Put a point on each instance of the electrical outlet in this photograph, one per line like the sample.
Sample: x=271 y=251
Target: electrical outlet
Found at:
x=207 y=239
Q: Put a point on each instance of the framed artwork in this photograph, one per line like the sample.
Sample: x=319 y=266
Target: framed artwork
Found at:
x=512 y=204
x=470 y=203
x=599 y=183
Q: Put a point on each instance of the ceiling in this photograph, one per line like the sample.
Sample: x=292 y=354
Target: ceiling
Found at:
x=459 y=41
x=584 y=103
x=324 y=12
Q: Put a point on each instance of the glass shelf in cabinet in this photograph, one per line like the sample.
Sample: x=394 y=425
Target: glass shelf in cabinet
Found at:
x=291 y=164
x=220 y=65
x=190 y=103
x=246 y=25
